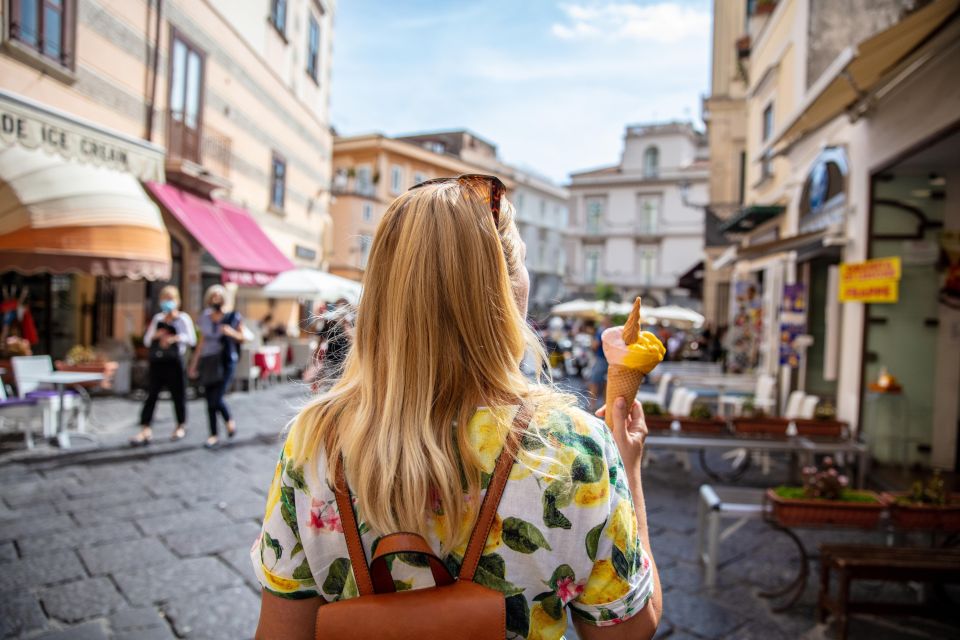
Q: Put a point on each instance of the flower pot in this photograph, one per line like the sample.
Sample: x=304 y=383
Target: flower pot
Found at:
x=822 y=428
x=702 y=425
x=658 y=423
x=926 y=517
x=792 y=512
x=107 y=369
x=760 y=426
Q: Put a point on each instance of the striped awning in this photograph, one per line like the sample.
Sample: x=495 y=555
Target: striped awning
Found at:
x=58 y=215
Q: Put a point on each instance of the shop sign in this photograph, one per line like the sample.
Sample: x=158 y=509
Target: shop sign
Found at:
x=824 y=192
x=873 y=281
x=33 y=126
x=793 y=323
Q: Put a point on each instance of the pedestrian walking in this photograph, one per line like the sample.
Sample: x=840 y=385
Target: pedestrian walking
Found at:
x=215 y=358
x=598 y=373
x=433 y=430
x=168 y=336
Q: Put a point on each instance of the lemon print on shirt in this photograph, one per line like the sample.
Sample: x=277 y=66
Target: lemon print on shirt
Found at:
x=592 y=494
x=604 y=585
x=543 y=626
x=623 y=527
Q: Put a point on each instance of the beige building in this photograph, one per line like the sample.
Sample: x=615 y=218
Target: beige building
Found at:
x=220 y=109
x=637 y=226
x=841 y=168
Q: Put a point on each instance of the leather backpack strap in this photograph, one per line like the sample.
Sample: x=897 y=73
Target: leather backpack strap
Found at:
x=491 y=501
x=351 y=532
x=404 y=542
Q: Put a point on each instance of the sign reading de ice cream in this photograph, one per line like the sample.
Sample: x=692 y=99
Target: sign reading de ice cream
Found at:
x=35 y=126
x=873 y=281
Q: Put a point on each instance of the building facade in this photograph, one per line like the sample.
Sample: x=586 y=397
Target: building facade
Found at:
x=230 y=100
x=841 y=170
x=638 y=226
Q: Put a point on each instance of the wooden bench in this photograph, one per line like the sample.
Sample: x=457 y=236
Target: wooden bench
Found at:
x=892 y=564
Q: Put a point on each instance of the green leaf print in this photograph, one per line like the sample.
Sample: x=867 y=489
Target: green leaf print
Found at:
x=621 y=563
x=485 y=480
x=401 y=585
x=541 y=596
x=561 y=572
x=606 y=614
x=553 y=518
x=587 y=468
x=492 y=562
x=350 y=587
x=583 y=614
x=337 y=576
x=593 y=539
x=518 y=615
x=274 y=544
x=303 y=573
x=296 y=475
x=561 y=491
x=288 y=509
x=553 y=606
x=522 y=536
x=557 y=495
x=297 y=548
x=413 y=559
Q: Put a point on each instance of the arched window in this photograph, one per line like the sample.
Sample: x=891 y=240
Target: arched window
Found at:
x=651 y=162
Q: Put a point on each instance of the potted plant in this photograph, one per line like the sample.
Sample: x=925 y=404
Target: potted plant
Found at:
x=701 y=420
x=85 y=359
x=655 y=417
x=927 y=506
x=823 y=499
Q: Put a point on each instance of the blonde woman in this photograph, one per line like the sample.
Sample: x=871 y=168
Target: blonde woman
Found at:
x=215 y=358
x=169 y=335
x=423 y=408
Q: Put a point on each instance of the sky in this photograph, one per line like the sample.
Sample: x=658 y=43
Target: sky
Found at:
x=551 y=83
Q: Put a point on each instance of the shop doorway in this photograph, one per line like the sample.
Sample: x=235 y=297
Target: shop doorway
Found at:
x=915 y=215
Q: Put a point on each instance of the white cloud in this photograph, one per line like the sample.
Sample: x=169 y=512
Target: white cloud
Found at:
x=664 y=22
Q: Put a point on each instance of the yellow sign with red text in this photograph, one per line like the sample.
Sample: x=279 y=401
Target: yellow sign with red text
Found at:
x=873 y=281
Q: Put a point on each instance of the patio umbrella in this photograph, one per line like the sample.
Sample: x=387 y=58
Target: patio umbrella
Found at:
x=312 y=284
x=675 y=316
x=595 y=308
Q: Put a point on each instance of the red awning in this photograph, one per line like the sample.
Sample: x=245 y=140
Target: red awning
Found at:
x=231 y=235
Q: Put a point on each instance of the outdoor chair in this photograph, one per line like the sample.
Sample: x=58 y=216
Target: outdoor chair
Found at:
x=304 y=352
x=763 y=396
x=794 y=404
x=660 y=395
x=247 y=375
x=26 y=372
x=21 y=412
x=809 y=407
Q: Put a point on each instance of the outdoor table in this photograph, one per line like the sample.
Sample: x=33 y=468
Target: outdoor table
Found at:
x=60 y=380
x=269 y=360
x=804 y=446
x=717 y=503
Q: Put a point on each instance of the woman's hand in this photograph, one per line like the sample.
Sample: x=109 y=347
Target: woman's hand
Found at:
x=629 y=430
x=192 y=370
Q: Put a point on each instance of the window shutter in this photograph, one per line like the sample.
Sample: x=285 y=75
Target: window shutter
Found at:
x=69 y=40
x=14 y=8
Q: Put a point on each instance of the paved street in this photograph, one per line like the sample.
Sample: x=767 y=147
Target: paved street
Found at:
x=153 y=544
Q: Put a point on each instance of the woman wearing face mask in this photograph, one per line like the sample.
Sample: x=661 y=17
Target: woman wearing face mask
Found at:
x=215 y=358
x=168 y=336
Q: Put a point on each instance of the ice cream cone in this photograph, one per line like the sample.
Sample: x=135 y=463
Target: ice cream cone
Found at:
x=621 y=382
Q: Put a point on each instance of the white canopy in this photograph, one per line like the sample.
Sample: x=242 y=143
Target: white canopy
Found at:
x=593 y=308
x=314 y=285
x=674 y=315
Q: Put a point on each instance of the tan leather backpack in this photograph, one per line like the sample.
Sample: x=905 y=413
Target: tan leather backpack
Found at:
x=454 y=608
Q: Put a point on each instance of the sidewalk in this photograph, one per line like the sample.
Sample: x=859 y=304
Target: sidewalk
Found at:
x=153 y=543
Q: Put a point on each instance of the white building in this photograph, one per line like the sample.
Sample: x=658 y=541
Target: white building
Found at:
x=542 y=214
x=638 y=225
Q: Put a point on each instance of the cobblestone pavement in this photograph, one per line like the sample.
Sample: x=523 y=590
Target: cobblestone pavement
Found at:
x=153 y=544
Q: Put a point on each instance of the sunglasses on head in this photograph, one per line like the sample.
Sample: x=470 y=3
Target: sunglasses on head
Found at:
x=478 y=183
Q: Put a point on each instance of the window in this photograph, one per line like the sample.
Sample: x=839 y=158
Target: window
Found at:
x=649 y=212
x=767 y=122
x=45 y=26
x=543 y=208
x=278 y=182
x=647 y=264
x=365 y=243
x=595 y=207
x=364 y=184
x=185 y=116
x=766 y=167
x=396 y=179
x=419 y=177
x=651 y=162
x=592 y=265
x=518 y=203
x=278 y=16
x=366 y=212
x=313 y=49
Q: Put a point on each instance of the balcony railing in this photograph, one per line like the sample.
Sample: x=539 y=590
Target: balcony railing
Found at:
x=202 y=145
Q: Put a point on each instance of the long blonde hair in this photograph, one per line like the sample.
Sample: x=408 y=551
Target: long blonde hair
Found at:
x=439 y=332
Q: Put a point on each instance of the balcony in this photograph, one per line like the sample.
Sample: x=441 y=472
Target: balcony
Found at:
x=197 y=158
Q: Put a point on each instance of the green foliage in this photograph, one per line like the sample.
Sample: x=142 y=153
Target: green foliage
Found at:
x=606 y=292
x=701 y=411
x=652 y=409
x=848 y=495
x=933 y=491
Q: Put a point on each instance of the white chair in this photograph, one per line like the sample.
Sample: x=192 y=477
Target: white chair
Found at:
x=762 y=396
x=809 y=408
x=660 y=395
x=26 y=372
x=794 y=403
x=20 y=412
x=247 y=374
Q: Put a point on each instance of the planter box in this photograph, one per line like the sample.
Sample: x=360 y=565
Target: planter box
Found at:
x=927 y=517
x=108 y=369
x=658 y=423
x=791 y=512
x=703 y=425
x=773 y=426
x=822 y=428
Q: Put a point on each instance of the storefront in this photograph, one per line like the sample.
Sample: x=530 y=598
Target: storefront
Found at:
x=78 y=235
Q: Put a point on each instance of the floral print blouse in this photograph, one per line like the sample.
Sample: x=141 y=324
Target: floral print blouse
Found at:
x=565 y=535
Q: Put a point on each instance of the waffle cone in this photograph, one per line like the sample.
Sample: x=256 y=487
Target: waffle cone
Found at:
x=621 y=382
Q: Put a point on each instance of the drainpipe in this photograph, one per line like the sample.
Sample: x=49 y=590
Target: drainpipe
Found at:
x=154 y=65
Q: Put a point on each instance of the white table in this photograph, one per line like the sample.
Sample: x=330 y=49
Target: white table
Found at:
x=60 y=380
x=717 y=503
